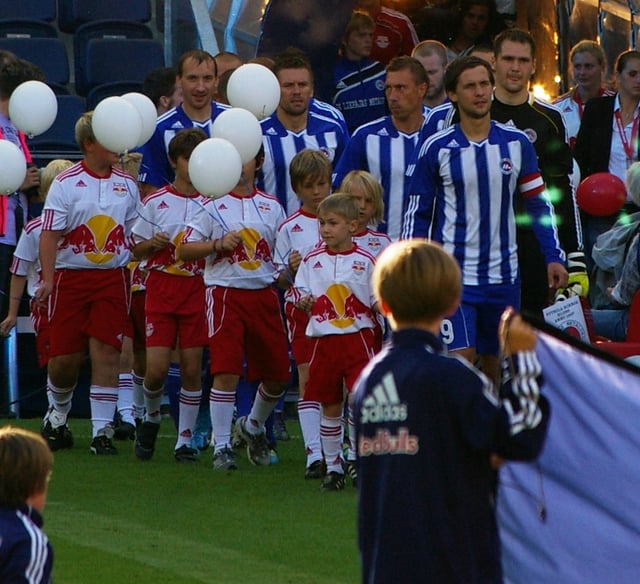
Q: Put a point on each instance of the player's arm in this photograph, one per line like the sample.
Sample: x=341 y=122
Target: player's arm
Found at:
x=287 y=275
x=145 y=248
x=196 y=250
x=48 y=250
x=419 y=210
x=16 y=290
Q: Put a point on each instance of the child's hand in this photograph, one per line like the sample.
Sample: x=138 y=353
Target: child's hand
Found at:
x=295 y=258
x=159 y=241
x=6 y=325
x=515 y=335
x=229 y=241
x=306 y=303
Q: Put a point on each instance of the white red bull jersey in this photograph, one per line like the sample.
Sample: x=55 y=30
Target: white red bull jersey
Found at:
x=95 y=215
x=300 y=231
x=372 y=241
x=341 y=284
x=169 y=211
x=250 y=265
x=26 y=255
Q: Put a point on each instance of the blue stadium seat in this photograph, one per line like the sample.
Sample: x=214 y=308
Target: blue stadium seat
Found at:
x=49 y=54
x=26 y=27
x=73 y=13
x=33 y=9
x=99 y=92
x=102 y=29
x=59 y=141
x=117 y=60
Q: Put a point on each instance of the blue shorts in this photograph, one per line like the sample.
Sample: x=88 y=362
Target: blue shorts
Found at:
x=475 y=323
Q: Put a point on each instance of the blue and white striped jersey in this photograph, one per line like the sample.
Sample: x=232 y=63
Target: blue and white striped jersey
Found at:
x=379 y=148
x=463 y=195
x=325 y=131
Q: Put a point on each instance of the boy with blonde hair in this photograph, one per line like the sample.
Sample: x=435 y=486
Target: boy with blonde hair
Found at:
x=333 y=285
x=429 y=424
x=25 y=467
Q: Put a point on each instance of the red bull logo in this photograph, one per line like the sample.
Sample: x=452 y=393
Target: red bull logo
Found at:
x=251 y=252
x=339 y=306
x=99 y=240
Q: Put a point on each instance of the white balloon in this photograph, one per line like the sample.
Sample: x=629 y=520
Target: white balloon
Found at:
x=33 y=107
x=148 y=114
x=13 y=167
x=242 y=129
x=116 y=124
x=255 y=88
x=215 y=167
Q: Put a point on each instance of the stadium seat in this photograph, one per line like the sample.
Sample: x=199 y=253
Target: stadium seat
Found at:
x=102 y=29
x=117 y=60
x=33 y=9
x=47 y=53
x=100 y=92
x=73 y=13
x=26 y=27
x=59 y=141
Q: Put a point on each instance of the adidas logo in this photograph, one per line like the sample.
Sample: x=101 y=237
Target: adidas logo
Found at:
x=81 y=183
x=341 y=85
x=453 y=144
x=317 y=265
x=163 y=205
x=272 y=132
x=222 y=207
x=383 y=132
x=383 y=405
x=177 y=126
x=296 y=229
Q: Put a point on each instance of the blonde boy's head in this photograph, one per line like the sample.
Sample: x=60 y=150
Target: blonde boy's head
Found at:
x=371 y=189
x=308 y=165
x=84 y=131
x=25 y=465
x=131 y=163
x=49 y=172
x=342 y=204
x=417 y=281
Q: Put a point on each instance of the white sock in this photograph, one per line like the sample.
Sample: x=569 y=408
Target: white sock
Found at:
x=309 y=416
x=331 y=431
x=103 y=407
x=125 y=397
x=263 y=405
x=189 y=405
x=59 y=399
x=138 y=395
x=152 y=400
x=221 y=404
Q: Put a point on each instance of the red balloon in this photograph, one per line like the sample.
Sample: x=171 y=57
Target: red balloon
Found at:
x=601 y=194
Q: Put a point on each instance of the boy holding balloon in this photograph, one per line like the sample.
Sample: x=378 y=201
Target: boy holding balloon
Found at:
x=236 y=234
x=174 y=305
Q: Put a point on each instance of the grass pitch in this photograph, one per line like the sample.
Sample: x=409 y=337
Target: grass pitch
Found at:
x=116 y=519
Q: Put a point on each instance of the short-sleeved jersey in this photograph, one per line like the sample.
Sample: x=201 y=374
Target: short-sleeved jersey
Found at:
x=372 y=241
x=26 y=260
x=300 y=231
x=379 y=148
x=95 y=215
x=341 y=284
x=463 y=196
x=250 y=265
x=393 y=35
x=155 y=168
x=359 y=91
x=169 y=211
x=324 y=132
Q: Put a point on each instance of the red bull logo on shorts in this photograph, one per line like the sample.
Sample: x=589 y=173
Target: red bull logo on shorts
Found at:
x=99 y=239
x=339 y=306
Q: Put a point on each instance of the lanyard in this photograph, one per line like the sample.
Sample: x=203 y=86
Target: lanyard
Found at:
x=628 y=145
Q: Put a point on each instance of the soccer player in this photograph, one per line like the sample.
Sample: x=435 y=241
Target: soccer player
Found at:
x=385 y=146
x=84 y=251
x=174 y=304
x=236 y=234
x=428 y=425
x=310 y=173
x=196 y=75
x=299 y=122
x=25 y=467
x=433 y=56
x=333 y=285
x=460 y=200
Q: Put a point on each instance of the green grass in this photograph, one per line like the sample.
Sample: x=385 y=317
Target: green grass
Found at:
x=116 y=519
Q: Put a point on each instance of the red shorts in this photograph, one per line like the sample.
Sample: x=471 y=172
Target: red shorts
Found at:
x=174 y=311
x=337 y=360
x=136 y=319
x=301 y=344
x=40 y=321
x=88 y=303
x=247 y=324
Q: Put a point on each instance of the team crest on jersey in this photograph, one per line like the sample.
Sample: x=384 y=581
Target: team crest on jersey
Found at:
x=120 y=188
x=380 y=85
x=506 y=166
x=264 y=206
x=531 y=134
x=358 y=267
x=373 y=243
